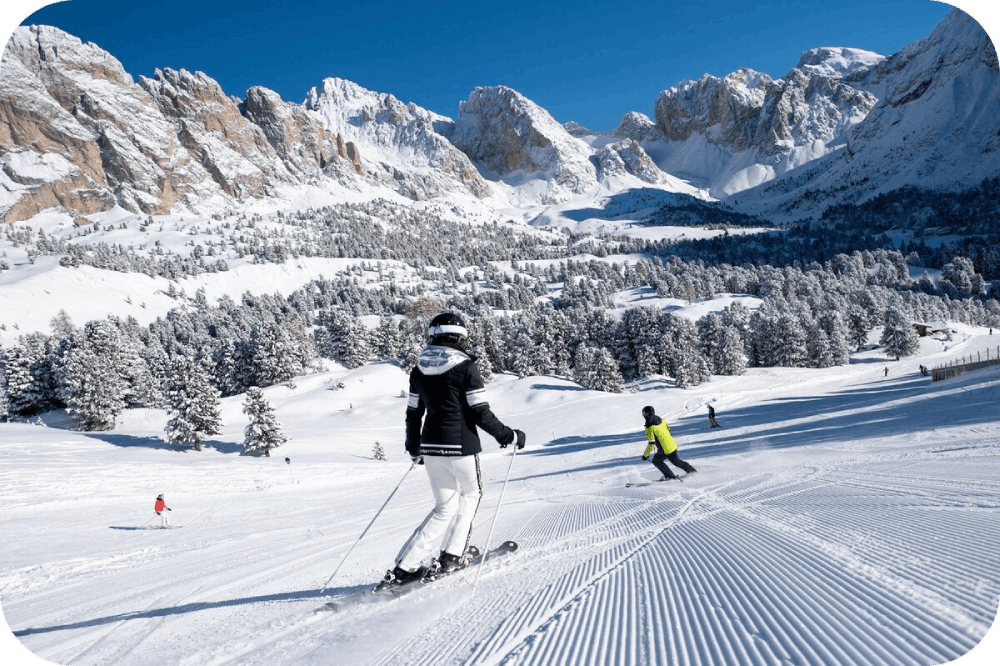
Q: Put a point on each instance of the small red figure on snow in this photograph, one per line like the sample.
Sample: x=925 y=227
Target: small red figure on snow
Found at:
x=160 y=507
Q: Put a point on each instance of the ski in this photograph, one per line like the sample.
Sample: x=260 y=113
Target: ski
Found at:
x=650 y=483
x=369 y=596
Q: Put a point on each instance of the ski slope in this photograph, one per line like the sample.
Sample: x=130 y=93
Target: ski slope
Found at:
x=838 y=516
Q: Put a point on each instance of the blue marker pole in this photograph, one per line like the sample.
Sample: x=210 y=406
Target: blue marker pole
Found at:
x=288 y=461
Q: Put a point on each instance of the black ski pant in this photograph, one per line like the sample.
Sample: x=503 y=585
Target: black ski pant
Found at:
x=660 y=456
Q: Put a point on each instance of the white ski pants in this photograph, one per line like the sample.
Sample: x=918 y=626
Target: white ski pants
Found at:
x=457 y=487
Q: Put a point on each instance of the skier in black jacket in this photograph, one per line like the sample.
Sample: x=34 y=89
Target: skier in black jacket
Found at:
x=446 y=388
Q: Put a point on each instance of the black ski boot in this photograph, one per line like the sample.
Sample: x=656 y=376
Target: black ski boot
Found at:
x=445 y=564
x=399 y=577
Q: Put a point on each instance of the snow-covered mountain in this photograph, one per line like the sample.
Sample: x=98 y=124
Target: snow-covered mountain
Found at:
x=743 y=129
x=402 y=144
x=78 y=133
x=936 y=125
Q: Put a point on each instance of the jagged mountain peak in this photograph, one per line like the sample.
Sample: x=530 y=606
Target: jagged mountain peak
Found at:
x=516 y=139
x=77 y=131
x=936 y=126
x=49 y=51
x=836 y=62
x=405 y=145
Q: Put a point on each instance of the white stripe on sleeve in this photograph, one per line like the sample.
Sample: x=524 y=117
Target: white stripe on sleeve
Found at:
x=414 y=401
x=476 y=397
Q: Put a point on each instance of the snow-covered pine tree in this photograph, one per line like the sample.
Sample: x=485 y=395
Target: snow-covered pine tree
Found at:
x=193 y=404
x=789 y=341
x=709 y=335
x=263 y=432
x=18 y=383
x=61 y=324
x=729 y=356
x=687 y=365
x=341 y=336
x=482 y=362
x=387 y=338
x=226 y=370
x=858 y=326
x=142 y=389
x=898 y=337
x=836 y=331
x=690 y=368
x=91 y=374
x=818 y=348
x=523 y=355
x=275 y=353
x=597 y=369
x=30 y=376
x=641 y=328
x=4 y=411
x=607 y=376
x=548 y=335
x=488 y=336
x=960 y=272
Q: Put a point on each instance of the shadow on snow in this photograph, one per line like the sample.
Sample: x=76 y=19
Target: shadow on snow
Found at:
x=126 y=441
x=175 y=610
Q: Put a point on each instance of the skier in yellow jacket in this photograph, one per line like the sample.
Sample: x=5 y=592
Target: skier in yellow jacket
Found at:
x=658 y=436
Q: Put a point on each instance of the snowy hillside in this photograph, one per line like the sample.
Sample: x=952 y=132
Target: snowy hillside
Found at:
x=837 y=516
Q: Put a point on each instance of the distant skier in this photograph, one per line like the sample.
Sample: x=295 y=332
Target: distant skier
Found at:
x=886 y=371
x=161 y=508
x=446 y=386
x=659 y=438
x=711 y=417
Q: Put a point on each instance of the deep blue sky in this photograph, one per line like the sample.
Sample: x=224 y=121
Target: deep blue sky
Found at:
x=583 y=60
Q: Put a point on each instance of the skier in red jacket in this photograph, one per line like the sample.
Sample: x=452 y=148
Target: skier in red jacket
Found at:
x=160 y=508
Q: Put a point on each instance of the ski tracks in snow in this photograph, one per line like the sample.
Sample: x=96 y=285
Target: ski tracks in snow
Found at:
x=712 y=571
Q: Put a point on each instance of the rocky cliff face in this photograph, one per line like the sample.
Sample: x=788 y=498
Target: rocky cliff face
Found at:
x=77 y=132
x=405 y=144
x=299 y=137
x=937 y=125
x=628 y=157
x=735 y=132
x=515 y=139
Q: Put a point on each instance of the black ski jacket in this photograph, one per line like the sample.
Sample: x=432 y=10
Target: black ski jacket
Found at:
x=446 y=386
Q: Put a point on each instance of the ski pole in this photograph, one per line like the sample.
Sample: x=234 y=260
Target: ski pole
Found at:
x=492 y=526
x=358 y=540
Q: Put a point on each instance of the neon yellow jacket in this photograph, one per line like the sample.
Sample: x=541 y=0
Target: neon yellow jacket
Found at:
x=658 y=433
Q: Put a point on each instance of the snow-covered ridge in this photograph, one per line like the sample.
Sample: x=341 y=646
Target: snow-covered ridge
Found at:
x=402 y=144
x=844 y=120
x=936 y=125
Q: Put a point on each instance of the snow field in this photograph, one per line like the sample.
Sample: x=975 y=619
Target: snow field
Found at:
x=838 y=516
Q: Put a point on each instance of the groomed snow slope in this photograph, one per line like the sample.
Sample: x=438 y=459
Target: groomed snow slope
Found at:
x=838 y=517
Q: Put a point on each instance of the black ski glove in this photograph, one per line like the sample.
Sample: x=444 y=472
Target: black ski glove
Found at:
x=645 y=458
x=521 y=439
x=417 y=460
x=169 y=509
